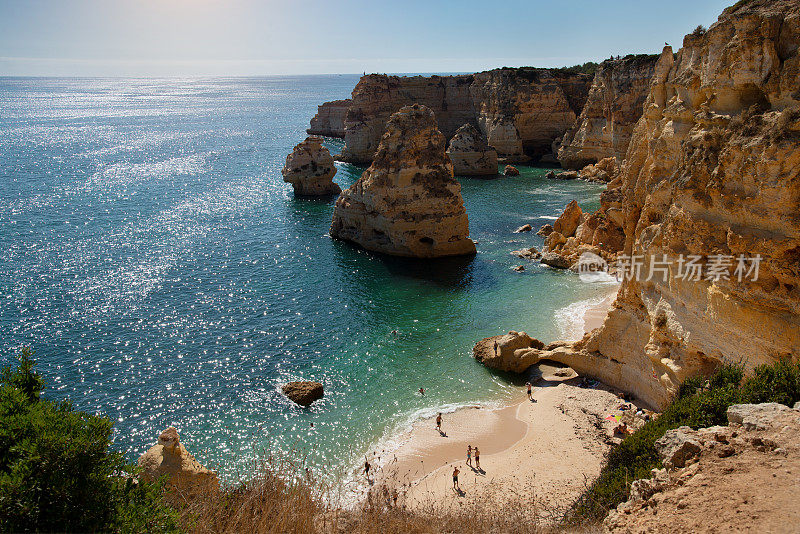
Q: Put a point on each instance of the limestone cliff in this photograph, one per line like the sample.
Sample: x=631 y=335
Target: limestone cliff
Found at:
x=377 y=96
x=470 y=154
x=612 y=108
x=520 y=111
x=712 y=171
x=329 y=120
x=310 y=169
x=407 y=203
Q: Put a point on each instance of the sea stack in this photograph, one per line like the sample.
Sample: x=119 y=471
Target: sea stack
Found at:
x=407 y=203
x=470 y=154
x=310 y=169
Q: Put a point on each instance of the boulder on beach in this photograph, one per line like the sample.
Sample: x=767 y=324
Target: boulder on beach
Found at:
x=303 y=392
x=508 y=352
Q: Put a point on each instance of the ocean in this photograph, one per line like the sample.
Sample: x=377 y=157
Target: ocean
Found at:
x=153 y=258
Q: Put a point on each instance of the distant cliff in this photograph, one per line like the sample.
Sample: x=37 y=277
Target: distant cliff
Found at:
x=606 y=122
x=377 y=96
x=520 y=111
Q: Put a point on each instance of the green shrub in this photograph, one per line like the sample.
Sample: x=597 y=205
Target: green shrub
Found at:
x=701 y=402
x=57 y=472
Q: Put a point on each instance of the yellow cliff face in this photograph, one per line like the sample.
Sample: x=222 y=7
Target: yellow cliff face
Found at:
x=612 y=109
x=711 y=178
x=713 y=168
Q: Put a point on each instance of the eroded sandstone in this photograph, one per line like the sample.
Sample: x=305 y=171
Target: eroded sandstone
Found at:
x=407 y=203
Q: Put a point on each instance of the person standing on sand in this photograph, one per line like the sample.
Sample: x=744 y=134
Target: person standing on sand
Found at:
x=469 y=455
x=477 y=457
x=530 y=392
x=495 y=348
x=366 y=467
x=455 y=478
x=439 y=422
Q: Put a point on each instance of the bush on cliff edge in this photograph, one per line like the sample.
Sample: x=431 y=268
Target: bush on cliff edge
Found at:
x=701 y=402
x=57 y=472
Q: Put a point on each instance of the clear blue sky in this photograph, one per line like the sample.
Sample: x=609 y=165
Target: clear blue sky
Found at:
x=251 y=37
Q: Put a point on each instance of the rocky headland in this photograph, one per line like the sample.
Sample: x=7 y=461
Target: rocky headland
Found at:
x=407 y=203
x=310 y=169
x=470 y=154
x=712 y=172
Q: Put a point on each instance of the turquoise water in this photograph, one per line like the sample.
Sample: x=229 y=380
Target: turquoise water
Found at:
x=162 y=271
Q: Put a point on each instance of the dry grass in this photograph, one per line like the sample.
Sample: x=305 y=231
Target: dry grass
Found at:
x=280 y=498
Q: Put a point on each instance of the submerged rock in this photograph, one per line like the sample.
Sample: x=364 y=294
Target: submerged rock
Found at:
x=470 y=154
x=527 y=253
x=510 y=170
x=184 y=473
x=303 y=392
x=523 y=228
x=310 y=169
x=407 y=203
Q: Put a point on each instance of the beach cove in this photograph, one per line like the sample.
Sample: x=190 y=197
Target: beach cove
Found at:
x=182 y=283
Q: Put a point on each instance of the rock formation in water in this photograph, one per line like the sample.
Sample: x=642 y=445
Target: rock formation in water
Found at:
x=599 y=233
x=184 y=473
x=470 y=154
x=329 y=120
x=711 y=176
x=310 y=169
x=612 y=108
x=303 y=392
x=407 y=203
x=519 y=111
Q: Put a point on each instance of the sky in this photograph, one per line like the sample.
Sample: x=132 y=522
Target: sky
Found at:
x=269 y=37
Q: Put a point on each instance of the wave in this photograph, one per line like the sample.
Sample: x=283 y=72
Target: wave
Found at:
x=571 y=319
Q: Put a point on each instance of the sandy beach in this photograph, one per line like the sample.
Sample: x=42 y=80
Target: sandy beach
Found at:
x=542 y=452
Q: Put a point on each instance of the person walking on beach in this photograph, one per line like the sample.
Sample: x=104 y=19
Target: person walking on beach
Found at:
x=477 y=457
x=439 y=422
x=469 y=455
x=530 y=392
x=455 y=478
x=366 y=467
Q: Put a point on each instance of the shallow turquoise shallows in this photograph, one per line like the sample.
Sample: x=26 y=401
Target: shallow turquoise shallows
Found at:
x=154 y=259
